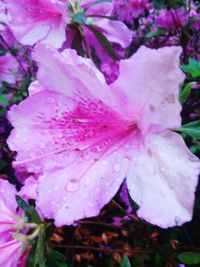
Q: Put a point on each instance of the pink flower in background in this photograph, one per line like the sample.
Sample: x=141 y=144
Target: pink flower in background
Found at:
x=129 y=10
x=10 y=221
x=38 y=20
x=115 y=31
x=89 y=136
x=8 y=65
x=171 y=19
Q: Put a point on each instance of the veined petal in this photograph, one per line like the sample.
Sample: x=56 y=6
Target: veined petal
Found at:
x=7 y=195
x=115 y=31
x=10 y=253
x=33 y=21
x=60 y=125
x=62 y=74
x=148 y=86
x=162 y=179
x=70 y=193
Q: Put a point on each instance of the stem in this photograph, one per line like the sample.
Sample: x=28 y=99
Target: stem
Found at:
x=8 y=47
x=34 y=234
x=105 y=249
x=149 y=240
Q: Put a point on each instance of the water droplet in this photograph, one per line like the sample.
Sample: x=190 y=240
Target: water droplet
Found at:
x=42 y=145
x=84 y=194
x=116 y=167
x=71 y=186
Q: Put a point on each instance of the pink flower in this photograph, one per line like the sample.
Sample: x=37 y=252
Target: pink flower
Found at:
x=171 y=19
x=83 y=137
x=7 y=65
x=10 y=248
x=129 y=10
x=96 y=15
x=38 y=20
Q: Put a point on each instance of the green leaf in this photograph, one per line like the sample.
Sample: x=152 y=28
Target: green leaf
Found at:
x=30 y=211
x=192 y=129
x=190 y=258
x=153 y=34
x=125 y=262
x=34 y=216
x=77 y=43
x=185 y=92
x=31 y=257
x=3 y=100
x=23 y=205
x=192 y=68
x=56 y=259
x=79 y=17
x=3 y=164
x=103 y=41
x=39 y=252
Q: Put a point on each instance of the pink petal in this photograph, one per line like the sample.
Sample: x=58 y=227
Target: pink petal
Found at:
x=116 y=31
x=7 y=195
x=89 y=180
x=33 y=21
x=35 y=87
x=60 y=125
x=62 y=69
x=7 y=65
x=148 y=86
x=162 y=180
x=96 y=9
x=10 y=253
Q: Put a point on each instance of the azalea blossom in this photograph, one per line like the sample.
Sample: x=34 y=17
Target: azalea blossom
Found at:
x=81 y=138
x=38 y=20
x=11 y=249
x=8 y=65
x=128 y=10
x=171 y=19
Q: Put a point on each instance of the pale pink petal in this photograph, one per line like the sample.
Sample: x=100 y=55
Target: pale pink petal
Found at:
x=10 y=253
x=62 y=75
x=162 y=179
x=87 y=182
x=29 y=190
x=33 y=21
x=7 y=194
x=148 y=86
x=115 y=31
x=8 y=206
x=97 y=8
x=35 y=87
x=59 y=125
x=8 y=65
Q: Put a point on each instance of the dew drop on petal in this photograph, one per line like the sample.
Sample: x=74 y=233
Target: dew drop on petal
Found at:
x=71 y=186
x=116 y=167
